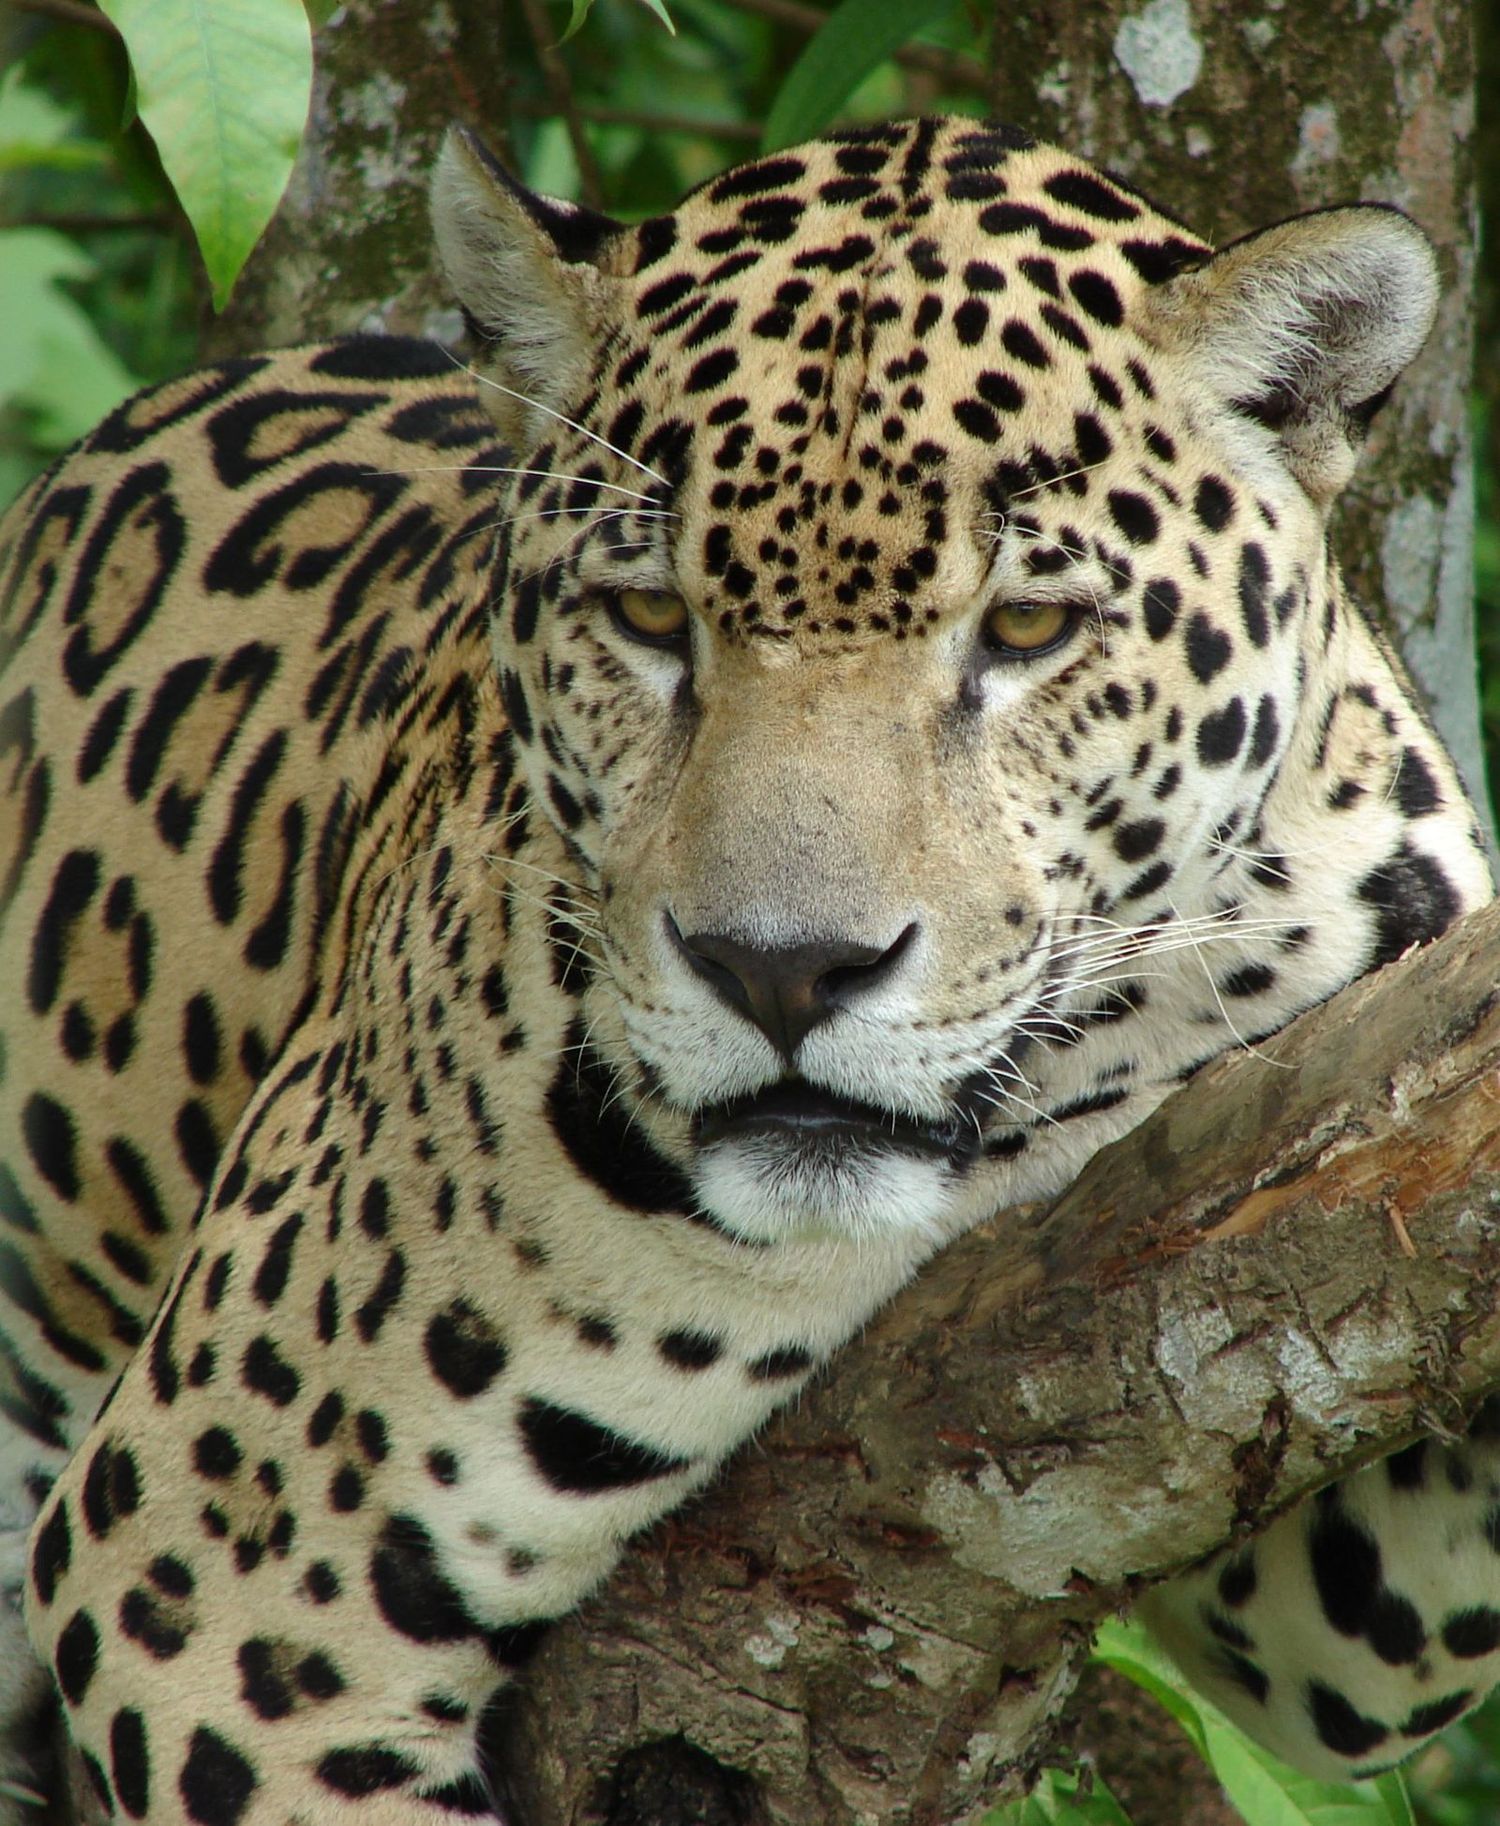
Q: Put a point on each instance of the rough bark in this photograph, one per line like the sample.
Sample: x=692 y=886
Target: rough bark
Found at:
x=878 y=1613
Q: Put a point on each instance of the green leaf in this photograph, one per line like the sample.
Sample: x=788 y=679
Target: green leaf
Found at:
x=859 y=34
x=1056 y=1801
x=53 y=367
x=1266 y=1791
x=581 y=11
x=655 y=6
x=223 y=88
x=36 y=134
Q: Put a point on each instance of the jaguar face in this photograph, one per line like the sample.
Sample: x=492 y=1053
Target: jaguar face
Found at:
x=906 y=603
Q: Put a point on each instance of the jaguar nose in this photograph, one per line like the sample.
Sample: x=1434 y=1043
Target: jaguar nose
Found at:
x=786 y=990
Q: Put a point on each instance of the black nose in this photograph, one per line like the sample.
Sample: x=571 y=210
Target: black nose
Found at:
x=787 y=989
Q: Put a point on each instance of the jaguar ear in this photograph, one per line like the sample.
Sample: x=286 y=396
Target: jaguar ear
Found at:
x=524 y=269
x=1304 y=327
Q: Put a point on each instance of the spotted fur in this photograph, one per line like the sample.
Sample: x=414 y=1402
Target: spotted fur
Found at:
x=478 y=1045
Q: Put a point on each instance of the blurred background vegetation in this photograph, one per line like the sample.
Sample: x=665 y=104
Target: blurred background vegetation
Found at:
x=111 y=270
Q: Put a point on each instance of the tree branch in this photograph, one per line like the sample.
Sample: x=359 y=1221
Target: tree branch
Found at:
x=877 y=1615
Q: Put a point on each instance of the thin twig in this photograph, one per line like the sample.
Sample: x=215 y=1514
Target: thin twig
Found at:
x=955 y=70
x=560 y=88
x=747 y=130
x=72 y=12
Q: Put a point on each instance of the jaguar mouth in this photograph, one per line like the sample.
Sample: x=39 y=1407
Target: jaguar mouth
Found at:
x=802 y=1115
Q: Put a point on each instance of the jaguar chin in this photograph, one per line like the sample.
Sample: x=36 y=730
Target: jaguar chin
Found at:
x=792 y=1161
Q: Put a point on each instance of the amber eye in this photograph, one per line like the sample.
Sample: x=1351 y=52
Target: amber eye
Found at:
x=1025 y=628
x=654 y=616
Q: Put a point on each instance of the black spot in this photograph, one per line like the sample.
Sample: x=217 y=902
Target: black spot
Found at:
x=111 y=1489
x=215 y=1453
x=373 y=1312
x=690 y=1350
x=1091 y=195
x=1022 y=343
x=1267 y=732
x=1247 y=980
x=409 y=1587
x=1097 y=297
x=1339 y=1727
x=77 y=1656
x=263 y=1687
x=129 y=1761
x=1213 y=504
x=161 y=1629
x=1415 y=788
x=1134 y=515
x=1345 y=1565
x=51 y=1553
x=970 y=321
x=216 y=1780
x=1221 y=734
x=1209 y=648
x=576 y=1454
x=361 y=1769
x=776 y=1365
x=74 y=885
x=52 y=1141
x=266 y=1372
x=463 y=1349
x=1160 y=602
x=1139 y=838
x=1394 y=1629
x=275 y=1264
x=1245 y=1673
x=1436 y=1715
x=1472 y=1632
x=1413 y=901
x=1237 y=1579
x=1255 y=581
x=1406 y=1469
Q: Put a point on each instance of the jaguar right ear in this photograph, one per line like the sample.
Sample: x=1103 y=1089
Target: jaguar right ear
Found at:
x=525 y=271
x=1303 y=327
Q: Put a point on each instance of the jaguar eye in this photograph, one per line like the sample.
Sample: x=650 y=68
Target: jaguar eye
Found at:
x=1024 y=629
x=656 y=617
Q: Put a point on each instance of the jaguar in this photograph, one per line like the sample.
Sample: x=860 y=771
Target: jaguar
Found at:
x=537 y=892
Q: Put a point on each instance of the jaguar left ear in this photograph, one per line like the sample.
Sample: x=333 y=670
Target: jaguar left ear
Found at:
x=1304 y=327
x=524 y=269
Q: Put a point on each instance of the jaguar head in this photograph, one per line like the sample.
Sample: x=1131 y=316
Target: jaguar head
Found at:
x=911 y=559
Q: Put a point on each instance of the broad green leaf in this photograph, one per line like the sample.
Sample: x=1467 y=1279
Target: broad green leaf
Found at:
x=1055 y=1801
x=1266 y=1791
x=53 y=367
x=859 y=35
x=223 y=88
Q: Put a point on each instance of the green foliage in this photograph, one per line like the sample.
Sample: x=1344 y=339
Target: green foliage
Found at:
x=1063 y=1799
x=1266 y=1791
x=858 y=36
x=222 y=87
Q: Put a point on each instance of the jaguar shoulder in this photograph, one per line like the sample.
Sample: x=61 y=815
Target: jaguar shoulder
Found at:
x=536 y=898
